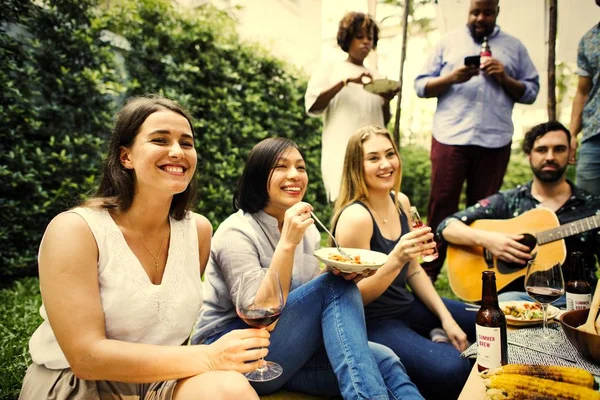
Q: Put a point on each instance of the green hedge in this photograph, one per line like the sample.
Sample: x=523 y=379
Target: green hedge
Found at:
x=54 y=111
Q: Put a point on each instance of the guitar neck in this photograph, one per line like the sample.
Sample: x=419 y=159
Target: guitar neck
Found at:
x=570 y=229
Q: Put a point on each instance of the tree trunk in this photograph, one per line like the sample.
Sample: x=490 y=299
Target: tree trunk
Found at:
x=401 y=77
x=552 y=60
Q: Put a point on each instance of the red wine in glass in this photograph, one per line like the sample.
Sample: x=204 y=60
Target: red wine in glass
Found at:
x=259 y=303
x=260 y=318
x=544 y=294
x=417 y=222
x=544 y=282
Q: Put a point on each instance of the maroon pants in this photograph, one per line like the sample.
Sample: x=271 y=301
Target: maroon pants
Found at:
x=483 y=169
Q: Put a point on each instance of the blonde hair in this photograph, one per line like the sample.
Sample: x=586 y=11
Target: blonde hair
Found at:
x=353 y=185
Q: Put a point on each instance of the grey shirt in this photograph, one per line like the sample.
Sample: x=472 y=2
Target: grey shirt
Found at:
x=244 y=242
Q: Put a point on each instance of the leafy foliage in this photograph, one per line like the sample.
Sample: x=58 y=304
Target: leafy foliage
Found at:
x=416 y=175
x=19 y=317
x=54 y=111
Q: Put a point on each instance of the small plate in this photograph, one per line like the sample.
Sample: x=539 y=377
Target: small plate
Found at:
x=379 y=86
x=369 y=259
x=510 y=320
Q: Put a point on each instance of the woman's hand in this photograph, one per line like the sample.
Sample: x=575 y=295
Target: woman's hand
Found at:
x=353 y=276
x=235 y=349
x=358 y=79
x=388 y=96
x=456 y=335
x=297 y=219
x=413 y=245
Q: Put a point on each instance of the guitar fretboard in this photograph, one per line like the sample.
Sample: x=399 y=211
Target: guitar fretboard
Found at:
x=570 y=229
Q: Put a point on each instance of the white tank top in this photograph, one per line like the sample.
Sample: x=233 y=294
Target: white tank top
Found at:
x=136 y=310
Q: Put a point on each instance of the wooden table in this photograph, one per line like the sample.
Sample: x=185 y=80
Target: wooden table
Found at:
x=474 y=388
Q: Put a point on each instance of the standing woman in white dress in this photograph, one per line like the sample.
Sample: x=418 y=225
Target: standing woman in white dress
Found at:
x=336 y=91
x=120 y=279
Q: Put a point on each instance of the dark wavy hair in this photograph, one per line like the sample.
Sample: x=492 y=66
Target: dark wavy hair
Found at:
x=540 y=130
x=117 y=184
x=251 y=193
x=351 y=25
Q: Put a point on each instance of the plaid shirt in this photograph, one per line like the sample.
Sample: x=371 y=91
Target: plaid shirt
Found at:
x=511 y=203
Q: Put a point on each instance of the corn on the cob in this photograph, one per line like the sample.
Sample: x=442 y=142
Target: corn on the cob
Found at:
x=576 y=376
x=528 y=387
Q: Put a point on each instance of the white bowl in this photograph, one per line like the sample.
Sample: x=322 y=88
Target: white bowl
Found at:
x=370 y=260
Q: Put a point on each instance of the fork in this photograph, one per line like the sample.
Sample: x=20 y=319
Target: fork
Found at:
x=339 y=249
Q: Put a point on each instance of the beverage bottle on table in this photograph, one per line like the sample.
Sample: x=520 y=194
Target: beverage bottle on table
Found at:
x=417 y=222
x=490 y=327
x=485 y=53
x=579 y=292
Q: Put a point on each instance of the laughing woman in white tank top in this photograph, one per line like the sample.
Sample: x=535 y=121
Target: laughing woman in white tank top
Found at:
x=120 y=279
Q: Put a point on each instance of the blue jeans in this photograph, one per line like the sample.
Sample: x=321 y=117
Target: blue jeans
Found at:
x=588 y=165
x=320 y=341
x=523 y=296
x=436 y=368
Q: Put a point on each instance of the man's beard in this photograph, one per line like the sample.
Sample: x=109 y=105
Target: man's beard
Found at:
x=479 y=38
x=549 y=176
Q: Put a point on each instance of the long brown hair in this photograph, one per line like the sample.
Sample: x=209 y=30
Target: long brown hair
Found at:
x=354 y=186
x=117 y=184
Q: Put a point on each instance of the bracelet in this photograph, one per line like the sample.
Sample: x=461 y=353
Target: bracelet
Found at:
x=345 y=81
x=413 y=274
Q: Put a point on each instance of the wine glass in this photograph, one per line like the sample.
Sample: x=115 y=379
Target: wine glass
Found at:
x=544 y=282
x=259 y=304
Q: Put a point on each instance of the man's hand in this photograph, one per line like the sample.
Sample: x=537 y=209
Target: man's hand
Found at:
x=506 y=247
x=494 y=68
x=573 y=150
x=464 y=73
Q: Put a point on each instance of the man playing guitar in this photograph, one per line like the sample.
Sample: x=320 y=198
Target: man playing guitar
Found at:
x=547 y=148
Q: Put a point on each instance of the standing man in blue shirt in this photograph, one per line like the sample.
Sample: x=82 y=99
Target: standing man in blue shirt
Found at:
x=586 y=111
x=472 y=125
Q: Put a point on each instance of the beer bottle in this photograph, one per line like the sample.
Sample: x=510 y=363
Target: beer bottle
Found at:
x=485 y=53
x=579 y=292
x=490 y=327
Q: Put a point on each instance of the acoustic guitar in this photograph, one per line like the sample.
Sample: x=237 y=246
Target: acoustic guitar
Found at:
x=542 y=233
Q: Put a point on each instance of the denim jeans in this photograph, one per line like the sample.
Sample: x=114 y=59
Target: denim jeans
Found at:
x=320 y=341
x=436 y=368
x=588 y=165
x=523 y=296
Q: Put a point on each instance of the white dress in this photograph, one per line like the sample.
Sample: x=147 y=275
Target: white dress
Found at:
x=135 y=310
x=350 y=109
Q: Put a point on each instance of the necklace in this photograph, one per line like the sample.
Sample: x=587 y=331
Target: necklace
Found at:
x=155 y=257
x=384 y=220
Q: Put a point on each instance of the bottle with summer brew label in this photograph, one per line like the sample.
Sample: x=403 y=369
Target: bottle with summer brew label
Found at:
x=492 y=344
x=579 y=292
x=485 y=53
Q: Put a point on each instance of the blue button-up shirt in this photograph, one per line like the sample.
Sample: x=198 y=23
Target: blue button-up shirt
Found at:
x=588 y=63
x=477 y=112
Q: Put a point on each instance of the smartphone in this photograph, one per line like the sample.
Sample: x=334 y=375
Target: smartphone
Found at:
x=473 y=61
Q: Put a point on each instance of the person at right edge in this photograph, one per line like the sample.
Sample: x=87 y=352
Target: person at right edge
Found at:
x=585 y=116
x=472 y=125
